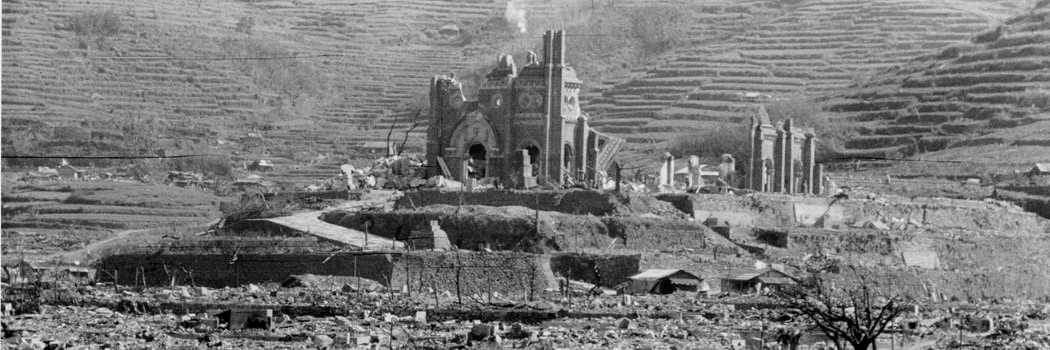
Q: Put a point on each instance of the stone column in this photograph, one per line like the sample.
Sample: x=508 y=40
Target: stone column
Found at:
x=779 y=161
x=808 y=163
x=755 y=171
x=790 y=155
x=695 y=181
x=818 y=178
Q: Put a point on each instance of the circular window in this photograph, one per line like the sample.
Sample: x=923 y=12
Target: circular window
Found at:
x=536 y=101
x=524 y=101
x=455 y=101
x=497 y=101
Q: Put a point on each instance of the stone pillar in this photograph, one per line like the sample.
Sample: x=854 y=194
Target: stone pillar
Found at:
x=526 y=181
x=779 y=161
x=790 y=155
x=818 y=178
x=755 y=171
x=580 y=144
x=695 y=181
x=666 y=172
x=808 y=163
x=727 y=170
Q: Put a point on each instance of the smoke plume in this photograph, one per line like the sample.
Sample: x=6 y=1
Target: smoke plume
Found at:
x=515 y=16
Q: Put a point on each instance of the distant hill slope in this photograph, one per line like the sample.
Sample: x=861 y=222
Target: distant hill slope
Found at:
x=191 y=75
x=816 y=48
x=198 y=69
x=966 y=98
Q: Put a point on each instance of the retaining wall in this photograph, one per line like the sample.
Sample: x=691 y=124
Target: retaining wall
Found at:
x=774 y=210
x=508 y=273
x=607 y=270
x=570 y=202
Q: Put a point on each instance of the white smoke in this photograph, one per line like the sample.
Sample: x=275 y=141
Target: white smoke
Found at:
x=515 y=16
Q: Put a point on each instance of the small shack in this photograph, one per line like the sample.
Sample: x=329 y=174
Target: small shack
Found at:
x=261 y=165
x=771 y=278
x=662 y=282
x=1040 y=169
x=67 y=171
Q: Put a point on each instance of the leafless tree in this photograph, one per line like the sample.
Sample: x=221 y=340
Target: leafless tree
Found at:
x=856 y=312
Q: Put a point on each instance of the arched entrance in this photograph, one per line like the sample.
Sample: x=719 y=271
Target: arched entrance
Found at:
x=477 y=161
x=534 y=155
x=474 y=142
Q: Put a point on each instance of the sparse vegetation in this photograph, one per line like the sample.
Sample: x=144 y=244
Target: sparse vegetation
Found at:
x=100 y=23
x=1037 y=98
x=245 y=25
x=660 y=28
x=713 y=143
x=856 y=312
x=274 y=67
x=808 y=114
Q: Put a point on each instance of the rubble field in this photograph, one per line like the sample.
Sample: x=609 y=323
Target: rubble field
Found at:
x=547 y=276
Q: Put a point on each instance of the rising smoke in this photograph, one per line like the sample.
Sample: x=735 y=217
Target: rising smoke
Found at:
x=515 y=16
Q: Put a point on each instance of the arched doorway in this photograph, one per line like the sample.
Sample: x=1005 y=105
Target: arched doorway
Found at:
x=534 y=155
x=477 y=161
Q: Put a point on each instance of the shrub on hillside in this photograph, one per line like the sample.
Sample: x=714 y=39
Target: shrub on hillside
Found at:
x=713 y=143
x=807 y=114
x=95 y=22
x=298 y=81
x=660 y=28
x=1038 y=98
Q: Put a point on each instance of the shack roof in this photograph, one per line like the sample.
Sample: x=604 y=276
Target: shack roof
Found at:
x=1041 y=168
x=767 y=275
x=678 y=275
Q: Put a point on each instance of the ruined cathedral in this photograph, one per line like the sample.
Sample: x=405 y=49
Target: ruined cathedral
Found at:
x=525 y=128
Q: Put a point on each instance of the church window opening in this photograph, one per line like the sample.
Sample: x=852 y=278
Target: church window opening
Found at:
x=477 y=162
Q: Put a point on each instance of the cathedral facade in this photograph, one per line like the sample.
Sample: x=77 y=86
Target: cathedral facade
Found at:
x=525 y=128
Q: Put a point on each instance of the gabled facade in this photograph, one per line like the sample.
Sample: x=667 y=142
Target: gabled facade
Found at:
x=526 y=125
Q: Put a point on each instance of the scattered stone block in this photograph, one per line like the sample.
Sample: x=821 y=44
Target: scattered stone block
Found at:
x=481 y=332
x=323 y=341
x=421 y=317
x=248 y=318
x=623 y=323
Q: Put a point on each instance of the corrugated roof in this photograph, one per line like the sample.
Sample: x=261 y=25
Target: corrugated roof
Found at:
x=658 y=274
x=1043 y=167
x=751 y=275
x=776 y=280
x=653 y=274
x=685 y=281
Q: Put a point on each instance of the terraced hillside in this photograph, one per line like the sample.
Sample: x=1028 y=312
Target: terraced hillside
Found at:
x=815 y=48
x=988 y=98
x=291 y=80
x=45 y=217
x=200 y=70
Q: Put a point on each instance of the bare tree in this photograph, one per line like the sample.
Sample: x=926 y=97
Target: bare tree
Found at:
x=856 y=312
